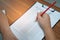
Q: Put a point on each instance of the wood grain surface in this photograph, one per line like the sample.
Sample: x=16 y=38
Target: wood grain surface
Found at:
x=16 y=8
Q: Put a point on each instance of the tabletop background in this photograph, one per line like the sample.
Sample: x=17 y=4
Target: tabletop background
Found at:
x=16 y=8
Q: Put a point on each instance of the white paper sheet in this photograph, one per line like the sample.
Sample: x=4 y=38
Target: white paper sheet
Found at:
x=25 y=28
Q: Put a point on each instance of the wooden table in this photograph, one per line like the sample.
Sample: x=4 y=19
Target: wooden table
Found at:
x=16 y=8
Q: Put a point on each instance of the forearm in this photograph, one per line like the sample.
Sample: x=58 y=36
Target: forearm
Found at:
x=5 y=30
x=7 y=34
x=49 y=33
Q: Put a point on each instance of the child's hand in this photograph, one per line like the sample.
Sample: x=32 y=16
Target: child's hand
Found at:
x=44 y=20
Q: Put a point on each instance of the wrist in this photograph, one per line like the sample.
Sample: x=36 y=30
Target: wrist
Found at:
x=47 y=28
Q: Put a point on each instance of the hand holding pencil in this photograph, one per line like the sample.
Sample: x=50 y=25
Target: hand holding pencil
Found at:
x=43 y=18
x=44 y=21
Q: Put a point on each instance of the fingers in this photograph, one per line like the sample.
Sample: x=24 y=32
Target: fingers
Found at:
x=39 y=15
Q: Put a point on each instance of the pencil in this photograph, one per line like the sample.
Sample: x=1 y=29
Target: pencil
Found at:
x=48 y=7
